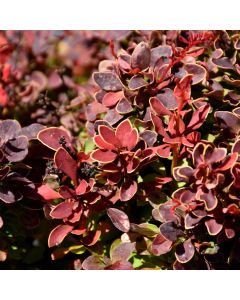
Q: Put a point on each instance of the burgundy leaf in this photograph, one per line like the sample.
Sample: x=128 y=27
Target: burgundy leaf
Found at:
x=158 y=52
x=191 y=220
x=228 y=121
x=9 y=129
x=150 y=137
x=160 y=245
x=119 y=219
x=128 y=190
x=108 y=136
x=208 y=198
x=66 y=164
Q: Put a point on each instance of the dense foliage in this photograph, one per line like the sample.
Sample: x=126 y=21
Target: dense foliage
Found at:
x=119 y=150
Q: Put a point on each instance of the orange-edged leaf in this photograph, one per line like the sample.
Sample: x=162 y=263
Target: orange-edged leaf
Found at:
x=103 y=156
x=51 y=136
x=185 y=251
x=62 y=210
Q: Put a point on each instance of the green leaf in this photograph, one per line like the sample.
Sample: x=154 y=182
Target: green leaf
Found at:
x=77 y=249
x=89 y=145
x=146 y=229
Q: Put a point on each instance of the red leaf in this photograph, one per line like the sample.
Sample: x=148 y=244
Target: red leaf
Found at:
x=99 y=141
x=157 y=106
x=66 y=163
x=120 y=265
x=119 y=219
x=58 y=234
x=198 y=117
x=50 y=137
x=182 y=91
x=128 y=190
x=111 y=98
x=103 y=156
x=82 y=187
x=228 y=162
x=108 y=136
x=47 y=193
x=62 y=210
x=127 y=136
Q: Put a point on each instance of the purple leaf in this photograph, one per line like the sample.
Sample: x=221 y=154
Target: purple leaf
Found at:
x=141 y=56
x=185 y=251
x=32 y=130
x=124 y=106
x=108 y=81
x=170 y=231
x=122 y=252
x=6 y=195
x=119 y=219
x=128 y=190
x=213 y=227
x=95 y=263
x=9 y=129
x=120 y=265
x=168 y=99
x=161 y=245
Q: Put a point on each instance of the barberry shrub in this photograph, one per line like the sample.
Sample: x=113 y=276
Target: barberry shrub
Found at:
x=134 y=160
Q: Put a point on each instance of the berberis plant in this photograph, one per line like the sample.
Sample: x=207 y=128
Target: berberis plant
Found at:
x=129 y=154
